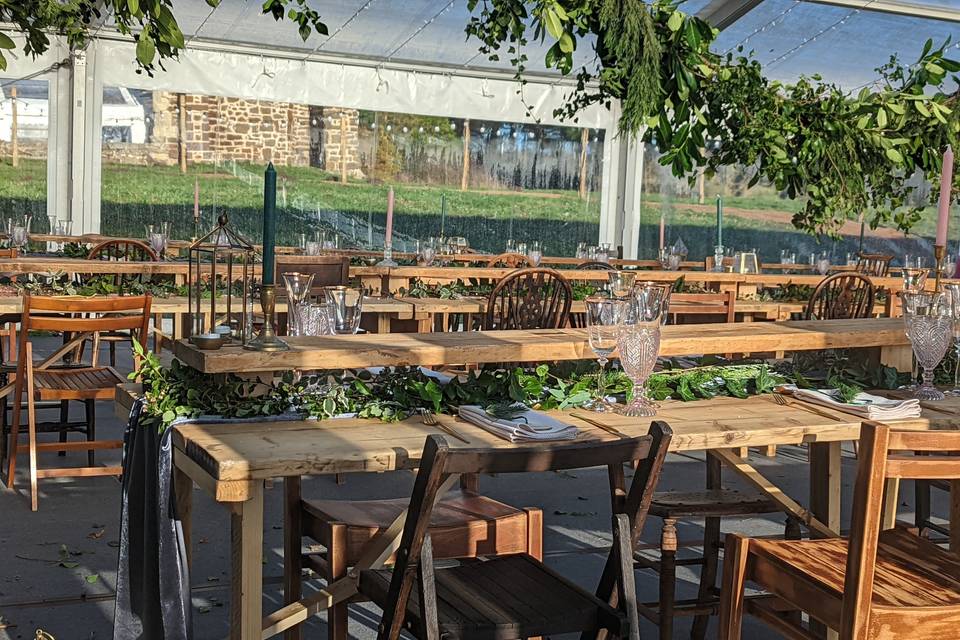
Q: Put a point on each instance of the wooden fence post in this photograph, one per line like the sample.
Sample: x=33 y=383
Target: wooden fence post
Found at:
x=14 y=142
x=465 y=177
x=584 y=143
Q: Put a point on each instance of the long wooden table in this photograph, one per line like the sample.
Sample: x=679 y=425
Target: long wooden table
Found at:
x=543 y=345
x=232 y=461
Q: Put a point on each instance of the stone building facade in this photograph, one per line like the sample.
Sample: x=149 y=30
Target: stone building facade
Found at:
x=255 y=131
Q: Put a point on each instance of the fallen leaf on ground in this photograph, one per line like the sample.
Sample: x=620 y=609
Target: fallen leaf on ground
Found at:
x=96 y=535
x=92 y=579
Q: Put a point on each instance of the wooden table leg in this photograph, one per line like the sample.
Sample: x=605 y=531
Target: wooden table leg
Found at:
x=292 y=562
x=246 y=532
x=825 y=498
x=183 y=489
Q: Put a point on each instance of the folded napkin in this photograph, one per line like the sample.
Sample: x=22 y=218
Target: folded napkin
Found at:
x=864 y=405
x=538 y=426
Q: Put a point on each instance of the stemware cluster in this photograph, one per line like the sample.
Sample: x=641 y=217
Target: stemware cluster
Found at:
x=627 y=320
x=338 y=312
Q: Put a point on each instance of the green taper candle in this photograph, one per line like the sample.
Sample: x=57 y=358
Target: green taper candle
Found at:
x=719 y=221
x=269 y=222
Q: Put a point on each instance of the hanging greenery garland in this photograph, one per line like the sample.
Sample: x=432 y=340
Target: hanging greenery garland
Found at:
x=841 y=154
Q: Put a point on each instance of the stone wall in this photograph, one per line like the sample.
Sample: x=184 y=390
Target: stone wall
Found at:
x=256 y=131
x=233 y=129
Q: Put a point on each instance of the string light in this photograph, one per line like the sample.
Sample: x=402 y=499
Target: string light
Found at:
x=426 y=23
x=772 y=23
x=356 y=14
x=842 y=21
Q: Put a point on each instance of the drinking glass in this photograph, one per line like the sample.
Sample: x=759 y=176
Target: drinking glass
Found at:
x=18 y=237
x=914 y=278
x=930 y=329
x=27 y=221
x=620 y=283
x=302 y=242
x=316 y=319
x=298 y=288
x=638 y=343
x=312 y=248
x=947 y=268
x=581 y=251
x=346 y=307
x=535 y=253
x=510 y=247
x=673 y=261
x=521 y=248
x=823 y=263
x=953 y=293
x=604 y=320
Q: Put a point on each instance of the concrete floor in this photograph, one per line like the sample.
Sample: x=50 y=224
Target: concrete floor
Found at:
x=78 y=522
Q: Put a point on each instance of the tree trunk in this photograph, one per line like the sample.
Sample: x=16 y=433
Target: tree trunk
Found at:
x=584 y=143
x=14 y=142
x=182 y=131
x=701 y=186
x=465 y=177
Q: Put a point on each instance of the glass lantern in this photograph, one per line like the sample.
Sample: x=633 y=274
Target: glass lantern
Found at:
x=218 y=258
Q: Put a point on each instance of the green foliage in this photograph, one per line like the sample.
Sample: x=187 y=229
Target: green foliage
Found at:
x=150 y=24
x=841 y=155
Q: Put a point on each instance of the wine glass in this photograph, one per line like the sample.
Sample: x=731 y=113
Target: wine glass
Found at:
x=316 y=319
x=347 y=308
x=298 y=288
x=620 y=283
x=638 y=343
x=604 y=320
x=930 y=329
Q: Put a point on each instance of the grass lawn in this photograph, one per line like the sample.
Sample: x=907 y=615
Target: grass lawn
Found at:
x=133 y=196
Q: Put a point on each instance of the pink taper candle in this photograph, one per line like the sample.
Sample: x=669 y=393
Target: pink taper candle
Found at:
x=388 y=240
x=196 y=198
x=946 y=182
x=661 y=232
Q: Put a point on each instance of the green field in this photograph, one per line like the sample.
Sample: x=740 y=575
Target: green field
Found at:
x=133 y=196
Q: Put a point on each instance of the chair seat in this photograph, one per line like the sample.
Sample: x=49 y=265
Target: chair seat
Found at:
x=463 y=525
x=910 y=571
x=711 y=502
x=83 y=383
x=506 y=597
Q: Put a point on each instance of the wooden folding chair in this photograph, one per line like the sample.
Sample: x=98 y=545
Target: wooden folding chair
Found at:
x=515 y=596
x=876 y=584
x=45 y=381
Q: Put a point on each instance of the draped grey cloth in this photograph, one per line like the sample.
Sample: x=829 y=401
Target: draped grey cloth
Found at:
x=153 y=580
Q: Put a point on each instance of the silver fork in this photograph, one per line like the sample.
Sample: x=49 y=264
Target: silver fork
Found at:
x=783 y=400
x=428 y=418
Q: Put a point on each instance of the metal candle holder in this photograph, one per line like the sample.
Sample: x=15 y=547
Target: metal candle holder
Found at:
x=267 y=340
x=939 y=255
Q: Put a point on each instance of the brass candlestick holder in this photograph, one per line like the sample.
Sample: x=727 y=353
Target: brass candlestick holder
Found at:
x=939 y=254
x=267 y=340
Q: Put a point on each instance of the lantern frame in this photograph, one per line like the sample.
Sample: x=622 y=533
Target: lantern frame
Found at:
x=222 y=245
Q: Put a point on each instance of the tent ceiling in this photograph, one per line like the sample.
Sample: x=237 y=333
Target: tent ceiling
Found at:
x=843 y=40
x=414 y=31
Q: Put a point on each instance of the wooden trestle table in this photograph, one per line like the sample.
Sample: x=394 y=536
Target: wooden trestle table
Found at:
x=232 y=461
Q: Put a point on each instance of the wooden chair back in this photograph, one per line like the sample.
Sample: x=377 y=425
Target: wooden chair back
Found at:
x=537 y=298
x=842 y=296
x=124 y=250
x=328 y=271
x=74 y=316
x=874 y=265
x=885 y=454
x=510 y=260
x=595 y=265
x=700 y=304
x=439 y=462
